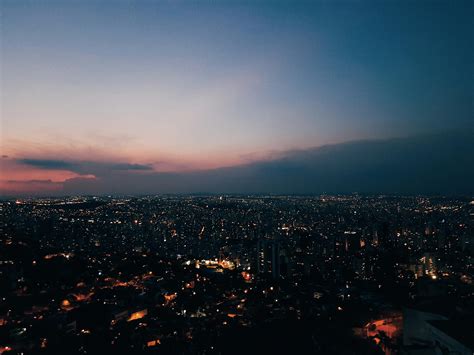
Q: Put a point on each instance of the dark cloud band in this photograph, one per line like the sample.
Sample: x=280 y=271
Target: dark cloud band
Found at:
x=84 y=167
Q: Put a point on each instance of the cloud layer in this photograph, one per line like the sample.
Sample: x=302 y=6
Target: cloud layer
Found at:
x=435 y=164
x=84 y=167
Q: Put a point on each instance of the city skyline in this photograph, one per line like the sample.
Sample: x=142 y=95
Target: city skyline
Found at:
x=331 y=275
x=236 y=177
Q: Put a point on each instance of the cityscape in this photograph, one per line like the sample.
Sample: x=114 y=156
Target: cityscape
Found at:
x=329 y=274
x=214 y=177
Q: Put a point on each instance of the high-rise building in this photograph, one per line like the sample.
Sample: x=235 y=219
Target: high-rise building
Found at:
x=270 y=257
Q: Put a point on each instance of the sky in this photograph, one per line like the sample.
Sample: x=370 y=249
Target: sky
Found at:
x=95 y=91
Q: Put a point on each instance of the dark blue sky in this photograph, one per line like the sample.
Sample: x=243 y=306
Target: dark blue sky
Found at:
x=195 y=85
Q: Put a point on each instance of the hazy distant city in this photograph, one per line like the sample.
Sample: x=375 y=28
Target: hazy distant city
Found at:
x=345 y=274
